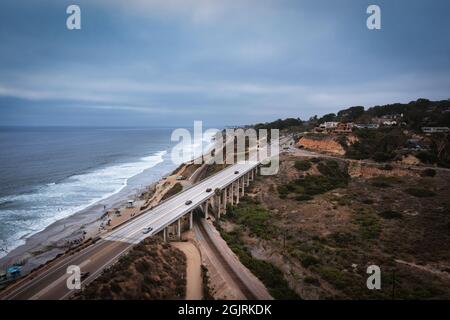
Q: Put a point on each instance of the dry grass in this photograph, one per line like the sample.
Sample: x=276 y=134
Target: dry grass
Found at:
x=325 y=244
x=152 y=270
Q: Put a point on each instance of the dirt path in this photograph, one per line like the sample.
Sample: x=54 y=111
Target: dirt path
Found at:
x=194 y=286
x=425 y=268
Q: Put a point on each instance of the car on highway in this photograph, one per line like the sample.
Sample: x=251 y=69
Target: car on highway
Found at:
x=147 y=230
x=236 y=172
x=208 y=190
x=188 y=202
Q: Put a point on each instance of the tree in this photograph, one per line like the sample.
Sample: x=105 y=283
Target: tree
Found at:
x=350 y=114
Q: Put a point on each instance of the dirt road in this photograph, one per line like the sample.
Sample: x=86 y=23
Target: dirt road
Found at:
x=194 y=286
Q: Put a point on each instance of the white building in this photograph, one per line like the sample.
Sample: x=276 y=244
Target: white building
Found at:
x=329 y=125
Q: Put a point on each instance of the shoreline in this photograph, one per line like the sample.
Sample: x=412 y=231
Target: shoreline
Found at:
x=45 y=245
x=89 y=223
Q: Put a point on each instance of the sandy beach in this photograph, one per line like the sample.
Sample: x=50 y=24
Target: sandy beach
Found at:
x=79 y=229
x=89 y=223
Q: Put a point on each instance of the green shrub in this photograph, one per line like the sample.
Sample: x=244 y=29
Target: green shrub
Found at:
x=381 y=184
x=427 y=157
x=270 y=275
x=302 y=165
x=369 y=225
x=383 y=156
x=331 y=169
x=303 y=197
x=342 y=238
x=255 y=217
x=385 y=182
x=308 y=260
x=311 y=280
x=428 y=173
x=420 y=192
x=332 y=177
x=283 y=191
x=338 y=279
x=390 y=214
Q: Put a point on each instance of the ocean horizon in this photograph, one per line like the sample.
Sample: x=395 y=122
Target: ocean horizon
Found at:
x=50 y=173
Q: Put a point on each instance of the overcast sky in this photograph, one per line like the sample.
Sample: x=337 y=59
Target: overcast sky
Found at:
x=170 y=62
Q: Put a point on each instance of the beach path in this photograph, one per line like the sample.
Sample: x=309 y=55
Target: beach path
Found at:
x=194 y=286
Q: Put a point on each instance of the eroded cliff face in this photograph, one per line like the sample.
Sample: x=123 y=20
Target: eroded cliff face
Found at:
x=327 y=145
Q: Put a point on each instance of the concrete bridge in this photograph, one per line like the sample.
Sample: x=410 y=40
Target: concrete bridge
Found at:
x=211 y=195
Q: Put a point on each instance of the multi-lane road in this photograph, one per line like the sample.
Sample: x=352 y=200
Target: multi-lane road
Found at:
x=174 y=208
x=50 y=283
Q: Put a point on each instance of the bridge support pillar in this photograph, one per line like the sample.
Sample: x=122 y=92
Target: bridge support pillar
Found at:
x=191 y=216
x=225 y=196
x=205 y=210
x=219 y=205
x=179 y=229
x=237 y=192
x=232 y=193
x=243 y=185
x=165 y=234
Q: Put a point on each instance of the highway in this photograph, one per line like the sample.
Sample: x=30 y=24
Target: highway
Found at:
x=50 y=283
x=172 y=209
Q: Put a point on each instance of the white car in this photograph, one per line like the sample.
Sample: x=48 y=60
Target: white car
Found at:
x=147 y=230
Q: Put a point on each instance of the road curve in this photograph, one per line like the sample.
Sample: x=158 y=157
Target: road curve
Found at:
x=50 y=283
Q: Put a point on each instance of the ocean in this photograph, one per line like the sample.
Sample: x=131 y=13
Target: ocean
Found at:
x=47 y=174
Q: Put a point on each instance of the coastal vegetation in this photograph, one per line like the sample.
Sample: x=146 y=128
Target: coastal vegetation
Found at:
x=332 y=176
x=323 y=246
x=151 y=270
x=177 y=187
x=269 y=274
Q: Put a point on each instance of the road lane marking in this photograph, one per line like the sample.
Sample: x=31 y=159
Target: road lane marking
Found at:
x=57 y=282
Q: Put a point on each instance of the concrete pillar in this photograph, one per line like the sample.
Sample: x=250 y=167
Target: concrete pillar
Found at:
x=165 y=234
x=212 y=201
x=248 y=179
x=179 y=229
x=243 y=185
x=205 y=210
x=219 y=207
x=225 y=196
x=191 y=216
x=237 y=192
x=232 y=193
